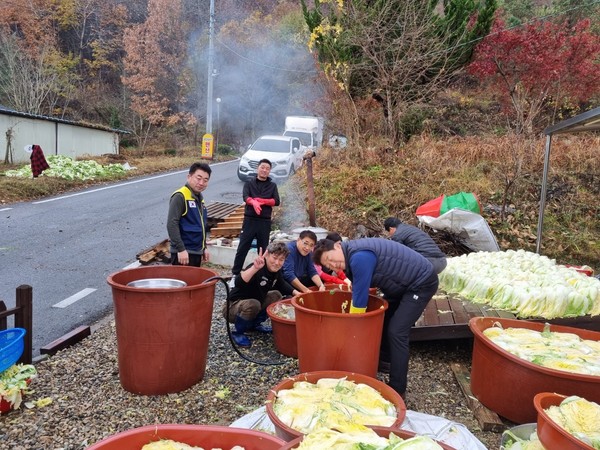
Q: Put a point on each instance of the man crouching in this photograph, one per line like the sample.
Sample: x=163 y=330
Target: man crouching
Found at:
x=257 y=286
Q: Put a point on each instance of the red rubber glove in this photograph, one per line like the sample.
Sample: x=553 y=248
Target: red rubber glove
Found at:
x=266 y=201
x=255 y=204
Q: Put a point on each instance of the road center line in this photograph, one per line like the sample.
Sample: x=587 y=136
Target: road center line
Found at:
x=5 y=209
x=73 y=298
x=119 y=185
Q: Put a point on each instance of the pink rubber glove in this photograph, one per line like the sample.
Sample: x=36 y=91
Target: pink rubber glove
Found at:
x=266 y=201
x=255 y=204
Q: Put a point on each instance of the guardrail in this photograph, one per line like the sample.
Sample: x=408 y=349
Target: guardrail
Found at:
x=23 y=312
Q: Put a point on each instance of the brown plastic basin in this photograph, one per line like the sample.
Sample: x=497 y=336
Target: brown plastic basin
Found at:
x=284 y=331
x=507 y=384
x=381 y=431
x=551 y=434
x=206 y=436
x=162 y=333
x=329 y=339
x=287 y=433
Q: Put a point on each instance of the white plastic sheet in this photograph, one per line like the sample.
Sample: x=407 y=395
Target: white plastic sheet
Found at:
x=469 y=227
x=452 y=433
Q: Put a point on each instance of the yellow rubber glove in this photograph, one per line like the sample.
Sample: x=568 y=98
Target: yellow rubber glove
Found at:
x=355 y=310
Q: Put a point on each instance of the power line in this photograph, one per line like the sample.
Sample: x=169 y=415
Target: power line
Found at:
x=267 y=66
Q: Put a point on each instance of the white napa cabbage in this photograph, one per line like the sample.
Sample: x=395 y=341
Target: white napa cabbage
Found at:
x=524 y=283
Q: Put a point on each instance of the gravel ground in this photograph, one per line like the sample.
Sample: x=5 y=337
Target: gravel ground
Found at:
x=89 y=404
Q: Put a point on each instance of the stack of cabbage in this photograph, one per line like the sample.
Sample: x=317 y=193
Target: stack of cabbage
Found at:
x=168 y=444
x=551 y=349
x=363 y=438
x=62 y=166
x=524 y=283
x=333 y=403
x=578 y=417
x=14 y=383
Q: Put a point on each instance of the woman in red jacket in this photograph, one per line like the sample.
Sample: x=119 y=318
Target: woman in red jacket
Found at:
x=333 y=276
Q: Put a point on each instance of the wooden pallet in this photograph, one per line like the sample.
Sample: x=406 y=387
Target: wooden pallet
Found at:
x=447 y=317
x=225 y=219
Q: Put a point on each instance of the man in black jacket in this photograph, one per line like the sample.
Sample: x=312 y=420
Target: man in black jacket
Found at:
x=260 y=194
x=256 y=287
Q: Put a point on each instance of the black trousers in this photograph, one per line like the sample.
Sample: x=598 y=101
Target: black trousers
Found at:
x=251 y=229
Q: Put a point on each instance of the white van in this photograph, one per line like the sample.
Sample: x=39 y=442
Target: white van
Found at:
x=309 y=129
x=283 y=152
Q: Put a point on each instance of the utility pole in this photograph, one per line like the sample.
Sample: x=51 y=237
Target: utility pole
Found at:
x=211 y=57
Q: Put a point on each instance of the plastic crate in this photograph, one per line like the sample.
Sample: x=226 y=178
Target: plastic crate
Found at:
x=11 y=347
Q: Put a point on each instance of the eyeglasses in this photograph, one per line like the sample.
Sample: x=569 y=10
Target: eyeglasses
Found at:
x=309 y=244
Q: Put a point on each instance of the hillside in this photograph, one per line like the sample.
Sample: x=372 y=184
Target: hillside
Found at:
x=357 y=188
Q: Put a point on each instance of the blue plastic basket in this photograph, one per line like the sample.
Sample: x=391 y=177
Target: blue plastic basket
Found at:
x=11 y=347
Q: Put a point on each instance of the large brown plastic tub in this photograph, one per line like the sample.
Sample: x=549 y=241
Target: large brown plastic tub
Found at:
x=551 y=434
x=329 y=339
x=162 y=333
x=507 y=384
x=284 y=330
x=288 y=433
x=381 y=431
x=206 y=436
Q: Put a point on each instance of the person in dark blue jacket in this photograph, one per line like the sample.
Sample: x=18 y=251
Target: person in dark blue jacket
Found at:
x=186 y=222
x=299 y=269
x=416 y=239
x=406 y=279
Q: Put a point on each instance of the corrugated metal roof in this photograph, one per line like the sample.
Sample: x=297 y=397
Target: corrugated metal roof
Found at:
x=12 y=112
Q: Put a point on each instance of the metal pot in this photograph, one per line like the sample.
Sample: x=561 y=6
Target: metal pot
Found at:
x=157 y=283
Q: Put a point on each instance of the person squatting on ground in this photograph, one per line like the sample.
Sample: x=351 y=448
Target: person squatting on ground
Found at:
x=416 y=239
x=299 y=269
x=187 y=218
x=329 y=276
x=260 y=194
x=256 y=287
x=406 y=279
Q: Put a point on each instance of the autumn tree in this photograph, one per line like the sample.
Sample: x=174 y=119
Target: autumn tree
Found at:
x=538 y=65
x=155 y=68
x=397 y=52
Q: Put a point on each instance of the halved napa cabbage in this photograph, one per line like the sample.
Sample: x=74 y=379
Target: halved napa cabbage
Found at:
x=334 y=403
x=551 y=349
x=524 y=283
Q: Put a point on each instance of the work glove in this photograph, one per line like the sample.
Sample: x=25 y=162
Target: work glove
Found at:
x=355 y=310
x=255 y=204
x=266 y=201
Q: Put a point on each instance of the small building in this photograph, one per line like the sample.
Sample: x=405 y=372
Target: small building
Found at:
x=55 y=136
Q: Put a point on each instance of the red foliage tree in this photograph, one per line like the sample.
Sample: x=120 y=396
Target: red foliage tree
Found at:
x=538 y=63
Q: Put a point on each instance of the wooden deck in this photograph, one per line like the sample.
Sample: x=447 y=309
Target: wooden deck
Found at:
x=447 y=317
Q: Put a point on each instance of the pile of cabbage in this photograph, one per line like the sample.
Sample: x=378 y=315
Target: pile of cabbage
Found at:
x=363 y=438
x=524 y=283
x=332 y=403
x=64 y=167
x=168 y=444
x=14 y=383
x=554 y=350
x=578 y=417
x=514 y=442
x=284 y=310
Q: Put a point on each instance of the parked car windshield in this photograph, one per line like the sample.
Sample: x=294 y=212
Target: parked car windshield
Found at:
x=271 y=145
x=305 y=138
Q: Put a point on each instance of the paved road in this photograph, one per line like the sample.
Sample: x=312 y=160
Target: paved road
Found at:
x=66 y=246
